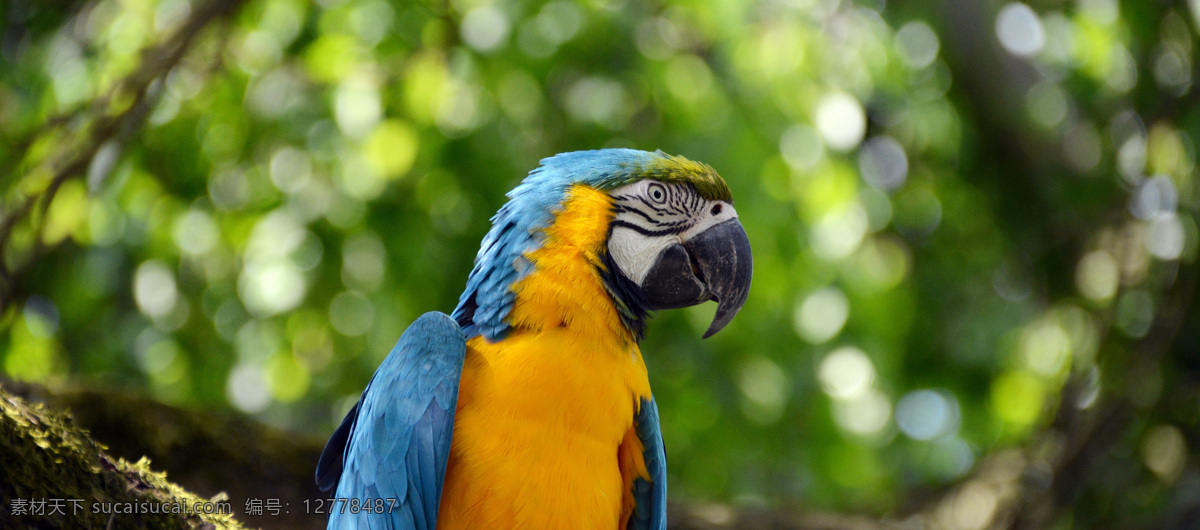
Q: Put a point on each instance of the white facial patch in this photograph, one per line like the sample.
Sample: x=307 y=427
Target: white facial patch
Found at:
x=652 y=216
x=635 y=253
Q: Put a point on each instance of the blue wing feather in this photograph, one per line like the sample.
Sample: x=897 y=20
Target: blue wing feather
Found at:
x=398 y=442
x=650 y=496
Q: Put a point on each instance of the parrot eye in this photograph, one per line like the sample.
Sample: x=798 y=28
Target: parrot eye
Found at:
x=657 y=193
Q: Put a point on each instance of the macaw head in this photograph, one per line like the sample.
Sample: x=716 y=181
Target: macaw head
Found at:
x=673 y=238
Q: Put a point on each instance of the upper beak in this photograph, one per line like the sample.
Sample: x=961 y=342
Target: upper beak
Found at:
x=715 y=264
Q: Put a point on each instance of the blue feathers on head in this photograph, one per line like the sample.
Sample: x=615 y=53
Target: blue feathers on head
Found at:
x=517 y=229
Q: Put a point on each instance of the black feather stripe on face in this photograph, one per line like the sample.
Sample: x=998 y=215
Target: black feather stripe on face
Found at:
x=627 y=296
x=673 y=214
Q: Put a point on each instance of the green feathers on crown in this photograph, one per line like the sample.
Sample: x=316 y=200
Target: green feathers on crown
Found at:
x=678 y=169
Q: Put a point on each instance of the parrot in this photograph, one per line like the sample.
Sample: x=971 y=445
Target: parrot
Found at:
x=529 y=406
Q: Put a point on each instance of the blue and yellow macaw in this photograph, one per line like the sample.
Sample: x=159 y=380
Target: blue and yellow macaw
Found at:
x=530 y=406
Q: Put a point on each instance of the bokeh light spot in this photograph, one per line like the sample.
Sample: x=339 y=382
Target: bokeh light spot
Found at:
x=247 y=388
x=688 y=78
x=1047 y=104
x=866 y=414
x=391 y=148
x=195 y=232
x=154 y=289
x=952 y=457
x=973 y=507
x=846 y=373
x=1045 y=347
x=821 y=315
x=364 y=260
x=271 y=287
x=485 y=28
x=1164 y=450
x=1173 y=70
x=1165 y=237
x=927 y=414
x=290 y=169
x=1017 y=398
x=599 y=100
x=883 y=163
x=841 y=120
x=41 y=316
x=1098 y=276
x=1131 y=159
x=357 y=107
x=1135 y=313
x=559 y=21
x=1020 y=30
x=766 y=388
x=917 y=43
x=801 y=147
x=1156 y=196
x=839 y=232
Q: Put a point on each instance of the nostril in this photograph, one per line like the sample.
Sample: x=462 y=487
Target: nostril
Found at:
x=716 y=209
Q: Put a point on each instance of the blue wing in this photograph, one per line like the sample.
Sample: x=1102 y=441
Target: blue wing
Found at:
x=650 y=510
x=394 y=443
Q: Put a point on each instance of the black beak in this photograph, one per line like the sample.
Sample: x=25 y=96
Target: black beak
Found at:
x=713 y=265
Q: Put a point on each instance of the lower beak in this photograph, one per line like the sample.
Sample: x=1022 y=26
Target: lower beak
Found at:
x=715 y=264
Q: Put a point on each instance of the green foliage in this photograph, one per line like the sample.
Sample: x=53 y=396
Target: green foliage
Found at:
x=949 y=223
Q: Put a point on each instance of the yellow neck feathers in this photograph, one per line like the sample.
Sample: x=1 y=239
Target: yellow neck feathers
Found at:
x=566 y=291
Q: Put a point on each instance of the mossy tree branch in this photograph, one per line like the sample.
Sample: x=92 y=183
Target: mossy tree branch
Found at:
x=58 y=476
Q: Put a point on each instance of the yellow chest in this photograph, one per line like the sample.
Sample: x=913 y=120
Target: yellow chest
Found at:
x=536 y=436
x=542 y=434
